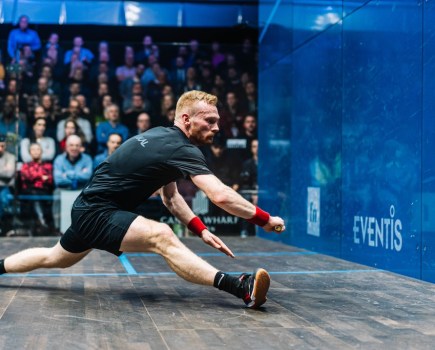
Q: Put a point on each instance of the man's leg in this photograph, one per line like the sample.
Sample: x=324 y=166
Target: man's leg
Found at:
x=35 y=258
x=146 y=235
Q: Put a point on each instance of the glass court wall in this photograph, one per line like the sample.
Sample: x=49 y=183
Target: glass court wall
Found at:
x=347 y=121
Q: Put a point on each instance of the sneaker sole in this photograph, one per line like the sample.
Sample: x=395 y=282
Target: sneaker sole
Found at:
x=261 y=286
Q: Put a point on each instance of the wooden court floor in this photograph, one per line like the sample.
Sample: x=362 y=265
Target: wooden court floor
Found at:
x=136 y=302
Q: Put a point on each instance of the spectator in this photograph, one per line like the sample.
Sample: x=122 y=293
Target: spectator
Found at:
x=51 y=109
x=110 y=126
x=138 y=106
x=71 y=128
x=84 y=55
x=217 y=57
x=251 y=97
x=128 y=70
x=8 y=125
x=36 y=99
x=37 y=179
x=72 y=169
x=100 y=104
x=143 y=123
x=48 y=145
x=220 y=163
x=192 y=82
x=20 y=37
x=195 y=56
x=74 y=113
x=130 y=86
x=113 y=142
x=249 y=128
x=143 y=54
x=7 y=174
x=177 y=75
x=232 y=116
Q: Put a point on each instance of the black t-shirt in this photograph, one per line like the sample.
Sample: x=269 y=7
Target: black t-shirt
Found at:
x=142 y=165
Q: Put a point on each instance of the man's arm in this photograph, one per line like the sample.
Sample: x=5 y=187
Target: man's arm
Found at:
x=176 y=204
x=233 y=203
x=178 y=207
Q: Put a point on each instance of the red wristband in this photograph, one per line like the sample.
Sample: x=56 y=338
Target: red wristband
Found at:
x=196 y=226
x=260 y=218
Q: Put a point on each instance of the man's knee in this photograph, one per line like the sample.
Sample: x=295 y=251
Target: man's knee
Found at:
x=54 y=260
x=165 y=236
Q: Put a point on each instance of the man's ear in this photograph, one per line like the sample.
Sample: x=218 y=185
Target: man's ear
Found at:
x=186 y=119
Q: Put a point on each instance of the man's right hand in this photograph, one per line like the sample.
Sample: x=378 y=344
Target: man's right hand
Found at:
x=275 y=224
x=215 y=242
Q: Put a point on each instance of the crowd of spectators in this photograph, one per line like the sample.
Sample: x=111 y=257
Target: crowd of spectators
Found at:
x=64 y=109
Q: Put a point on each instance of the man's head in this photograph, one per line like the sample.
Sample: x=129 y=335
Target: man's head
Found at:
x=35 y=151
x=111 y=113
x=143 y=122
x=42 y=84
x=39 y=113
x=249 y=124
x=74 y=108
x=196 y=114
x=73 y=146
x=113 y=142
x=137 y=102
x=23 y=22
x=2 y=144
x=53 y=39
x=254 y=147
x=78 y=41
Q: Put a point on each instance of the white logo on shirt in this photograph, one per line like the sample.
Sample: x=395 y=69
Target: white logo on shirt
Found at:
x=143 y=141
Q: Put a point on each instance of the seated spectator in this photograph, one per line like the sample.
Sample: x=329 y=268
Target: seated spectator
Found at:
x=36 y=98
x=221 y=164
x=37 y=179
x=251 y=97
x=192 y=82
x=249 y=128
x=71 y=128
x=138 y=106
x=143 y=123
x=73 y=112
x=84 y=55
x=110 y=126
x=100 y=105
x=22 y=36
x=217 y=57
x=7 y=174
x=48 y=145
x=8 y=124
x=145 y=51
x=51 y=112
x=113 y=142
x=128 y=70
x=72 y=169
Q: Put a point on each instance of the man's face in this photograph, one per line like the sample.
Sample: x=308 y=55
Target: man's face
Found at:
x=112 y=114
x=73 y=147
x=74 y=108
x=249 y=124
x=113 y=143
x=137 y=102
x=2 y=148
x=203 y=123
x=143 y=122
x=42 y=84
x=24 y=23
x=35 y=152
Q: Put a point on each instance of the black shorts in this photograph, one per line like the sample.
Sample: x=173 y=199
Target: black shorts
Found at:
x=102 y=228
